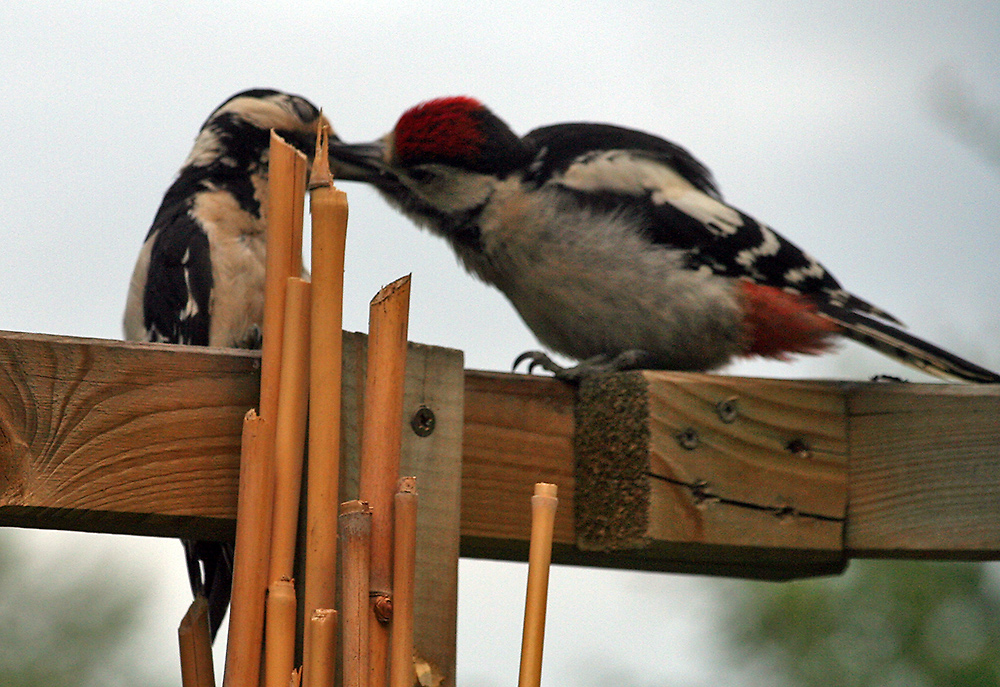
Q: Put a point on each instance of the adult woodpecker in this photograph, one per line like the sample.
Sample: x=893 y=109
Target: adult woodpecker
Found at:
x=199 y=278
x=616 y=248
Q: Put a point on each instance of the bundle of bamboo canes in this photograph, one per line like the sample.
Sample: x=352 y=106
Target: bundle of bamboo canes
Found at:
x=301 y=370
x=300 y=388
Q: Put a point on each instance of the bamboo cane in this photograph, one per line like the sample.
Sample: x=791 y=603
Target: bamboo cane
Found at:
x=196 y=646
x=291 y=429
x=323 y=652
x=329 y=232
x=279 y=641
x=286 y=177
x=355 y=536
x=401 y=672
x=543 y=514
x=381 y=435
x=250 y=566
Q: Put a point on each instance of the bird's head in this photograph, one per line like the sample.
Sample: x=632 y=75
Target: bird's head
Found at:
x=237 y=133
x=450 y=152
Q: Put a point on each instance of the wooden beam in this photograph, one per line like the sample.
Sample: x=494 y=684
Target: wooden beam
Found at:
x=680 y=472
x=723 y=475
x=121 y=437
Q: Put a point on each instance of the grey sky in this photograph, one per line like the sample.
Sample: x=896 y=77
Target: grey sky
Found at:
x=816 y=118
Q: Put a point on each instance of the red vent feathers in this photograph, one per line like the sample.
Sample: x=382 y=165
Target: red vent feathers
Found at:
x=441 y=129
x=779 y=323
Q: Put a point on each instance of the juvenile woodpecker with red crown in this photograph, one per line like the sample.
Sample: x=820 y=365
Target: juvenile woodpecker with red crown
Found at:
x=199 y=277
x=616 y=247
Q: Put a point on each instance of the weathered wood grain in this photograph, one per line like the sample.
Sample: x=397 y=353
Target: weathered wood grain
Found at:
x=125 y=438
x=925 y=471
x=518 y=431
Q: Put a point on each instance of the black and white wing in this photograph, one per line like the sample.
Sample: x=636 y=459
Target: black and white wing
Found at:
x=677 y=202
x=177 y=287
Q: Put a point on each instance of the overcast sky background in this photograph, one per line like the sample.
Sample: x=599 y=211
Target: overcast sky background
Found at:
x=818 y=118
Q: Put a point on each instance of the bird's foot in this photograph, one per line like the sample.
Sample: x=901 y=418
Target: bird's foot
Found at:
x=538 y=359
x=597 y=365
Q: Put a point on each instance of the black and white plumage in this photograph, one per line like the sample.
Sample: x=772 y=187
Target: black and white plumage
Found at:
x=199 y=278
x=615 y=246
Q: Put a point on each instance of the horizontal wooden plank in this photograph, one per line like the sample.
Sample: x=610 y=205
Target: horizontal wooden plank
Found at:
x=750 y=477
x=121 y=437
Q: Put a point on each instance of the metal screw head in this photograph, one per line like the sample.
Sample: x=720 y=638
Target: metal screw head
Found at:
x=799 y=447
x=728 y=410
x=689 y=439
x=423 y=422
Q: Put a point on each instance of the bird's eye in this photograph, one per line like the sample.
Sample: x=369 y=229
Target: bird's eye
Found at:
x=304 y=110
x=422 y=175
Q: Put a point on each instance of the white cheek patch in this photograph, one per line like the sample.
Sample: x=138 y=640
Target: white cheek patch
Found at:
x=451 y=191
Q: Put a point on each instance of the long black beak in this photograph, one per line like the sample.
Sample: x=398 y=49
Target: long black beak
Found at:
x=358 y=161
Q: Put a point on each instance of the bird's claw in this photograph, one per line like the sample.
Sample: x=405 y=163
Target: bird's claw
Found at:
x=599 y=364
x=538 y=359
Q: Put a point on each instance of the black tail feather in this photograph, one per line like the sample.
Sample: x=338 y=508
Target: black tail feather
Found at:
x=906 y=348
x=210 y=571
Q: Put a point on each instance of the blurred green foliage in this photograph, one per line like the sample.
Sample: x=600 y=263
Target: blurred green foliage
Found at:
x=68 y=625
x=885 y=623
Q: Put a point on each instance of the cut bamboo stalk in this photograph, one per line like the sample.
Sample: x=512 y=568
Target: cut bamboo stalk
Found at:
x=328 y=207
x=279 y=643
x=323 y=652
x=196 y=646
x=401 y=671
x=286 y=175
x=543 y=515
x=381 y=434
x=355 y=537
x=296 y=678
x=250 y=565
x=286 y=179
x=289 y=442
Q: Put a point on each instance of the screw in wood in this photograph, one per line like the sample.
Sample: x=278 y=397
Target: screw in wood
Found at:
x=728 y=410
x=423 y=422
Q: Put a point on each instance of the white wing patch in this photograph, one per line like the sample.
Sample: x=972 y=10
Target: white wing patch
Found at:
x=620 y=171
x=191 y=307
x=768 y=247
x=812 y=270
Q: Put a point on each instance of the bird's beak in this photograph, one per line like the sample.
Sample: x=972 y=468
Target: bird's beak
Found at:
x=358 y=161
